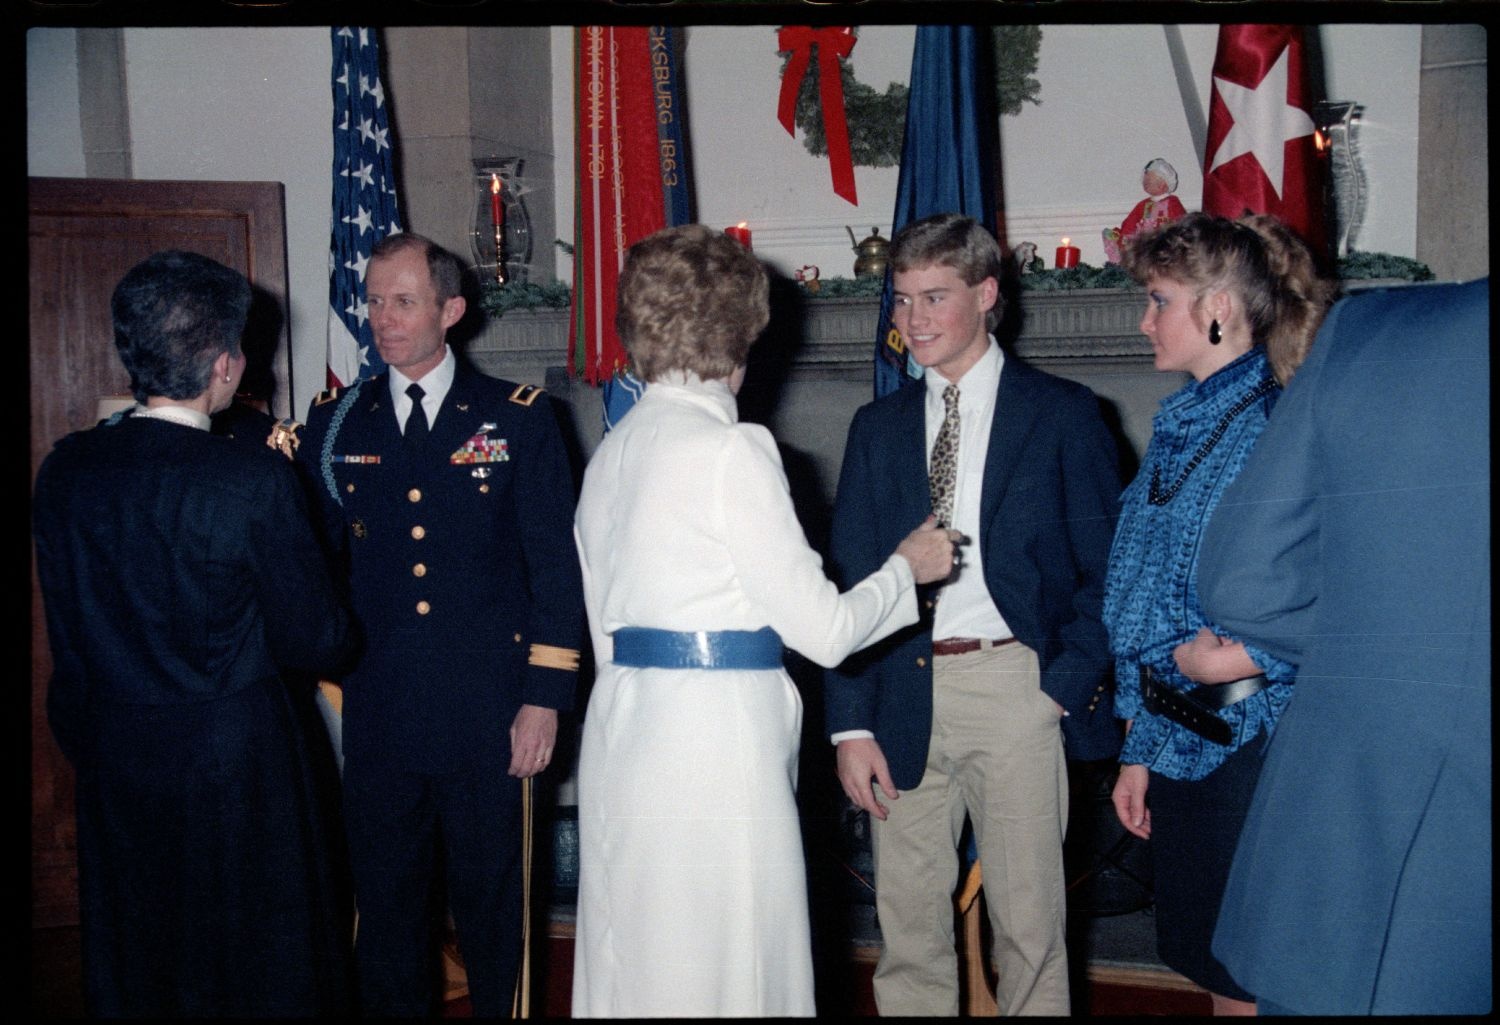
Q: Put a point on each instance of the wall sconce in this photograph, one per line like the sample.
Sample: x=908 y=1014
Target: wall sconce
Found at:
x=501 y=236
x=1336 y=139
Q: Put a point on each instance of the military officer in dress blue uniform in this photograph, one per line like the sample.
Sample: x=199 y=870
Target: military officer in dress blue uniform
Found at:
x=449 y=496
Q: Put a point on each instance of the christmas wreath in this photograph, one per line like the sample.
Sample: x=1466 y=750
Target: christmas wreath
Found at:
x=877 y=120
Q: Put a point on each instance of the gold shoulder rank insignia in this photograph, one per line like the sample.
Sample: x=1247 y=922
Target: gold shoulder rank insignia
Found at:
x=328 y=396
x=284 y=438
x=525 y=394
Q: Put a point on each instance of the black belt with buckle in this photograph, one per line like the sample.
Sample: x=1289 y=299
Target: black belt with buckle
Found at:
x=1194 y=709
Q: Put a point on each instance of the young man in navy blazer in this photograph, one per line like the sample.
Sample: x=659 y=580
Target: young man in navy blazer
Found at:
x=972 y=710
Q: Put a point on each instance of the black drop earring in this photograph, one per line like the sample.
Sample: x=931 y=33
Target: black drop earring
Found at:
x=1215 y=336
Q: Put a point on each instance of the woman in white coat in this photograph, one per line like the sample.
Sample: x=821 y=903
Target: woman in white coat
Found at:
x=692 y=891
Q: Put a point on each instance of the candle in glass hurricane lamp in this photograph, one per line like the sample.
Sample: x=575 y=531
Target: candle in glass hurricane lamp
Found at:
x=740 y=233
x=497 y=209
x=1067 y=255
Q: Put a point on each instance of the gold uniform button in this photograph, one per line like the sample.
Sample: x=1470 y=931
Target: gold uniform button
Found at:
x=921 y=662
x=414 y=495
x=931 y=603
x=349 y=488
x=423 y=608
x=419 y=570
x=484 y=489
x=419 y=532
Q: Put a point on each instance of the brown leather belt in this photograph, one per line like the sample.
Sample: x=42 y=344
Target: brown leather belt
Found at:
x=964 y=645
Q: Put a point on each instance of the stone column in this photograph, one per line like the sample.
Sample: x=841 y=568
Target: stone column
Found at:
x=1453 y=164
x=103 y=112
x=464 y=94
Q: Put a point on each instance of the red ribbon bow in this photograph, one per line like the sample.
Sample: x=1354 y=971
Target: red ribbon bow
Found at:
x=832 y=43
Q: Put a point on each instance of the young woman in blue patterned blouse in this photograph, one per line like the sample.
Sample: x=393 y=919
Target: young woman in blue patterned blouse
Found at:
x=1235 y=304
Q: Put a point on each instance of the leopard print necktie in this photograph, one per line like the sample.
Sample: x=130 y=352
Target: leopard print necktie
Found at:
x=942 y=473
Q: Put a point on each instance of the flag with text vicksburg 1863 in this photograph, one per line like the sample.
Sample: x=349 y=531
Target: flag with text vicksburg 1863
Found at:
x=632 y=180
x=1261 y=155
x=947 y=158
x=364 y=200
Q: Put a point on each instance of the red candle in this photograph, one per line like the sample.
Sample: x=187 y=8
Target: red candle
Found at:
x=497 y=211
x=1067 y=256
x=740 y=233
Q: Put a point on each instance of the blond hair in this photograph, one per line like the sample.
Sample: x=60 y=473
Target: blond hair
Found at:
x=1264 y=263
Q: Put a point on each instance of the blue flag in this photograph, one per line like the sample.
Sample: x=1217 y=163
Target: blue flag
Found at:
x=364 y=200
x=671 y=117
x=621 y=390
x=947 y=158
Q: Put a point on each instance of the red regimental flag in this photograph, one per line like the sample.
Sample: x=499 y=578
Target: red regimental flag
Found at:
x=1261 y=155
x=619 y=185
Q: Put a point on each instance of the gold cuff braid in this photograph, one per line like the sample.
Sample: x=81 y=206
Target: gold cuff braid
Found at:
x=548 y=656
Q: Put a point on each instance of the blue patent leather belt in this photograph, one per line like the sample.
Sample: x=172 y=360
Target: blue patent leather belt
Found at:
x=646 y=648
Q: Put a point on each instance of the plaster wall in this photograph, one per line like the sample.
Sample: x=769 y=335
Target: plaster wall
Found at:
x=254 y=104
x=54 y=134
x=1070 y=165
x=247 y=104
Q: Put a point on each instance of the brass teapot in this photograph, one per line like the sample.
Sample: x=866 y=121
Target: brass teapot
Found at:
x=872 y=253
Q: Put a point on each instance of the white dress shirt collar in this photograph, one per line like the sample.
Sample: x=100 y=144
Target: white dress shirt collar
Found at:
x=435 y=385
x=980 y=379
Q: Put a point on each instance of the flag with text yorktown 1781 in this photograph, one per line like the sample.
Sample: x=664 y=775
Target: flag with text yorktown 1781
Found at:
x=364 y=200
x=947 y=158
x=1261 y=154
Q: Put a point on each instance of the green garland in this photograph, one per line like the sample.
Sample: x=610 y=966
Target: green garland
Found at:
x=877 y=120
x=498 y=300
x=1359 y=266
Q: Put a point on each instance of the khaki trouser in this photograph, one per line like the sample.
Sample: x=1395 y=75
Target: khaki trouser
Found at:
x=996 y=755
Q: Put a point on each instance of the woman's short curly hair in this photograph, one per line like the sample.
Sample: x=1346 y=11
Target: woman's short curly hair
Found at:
x=174 y=314
x=691 y=298
x=1282 y=289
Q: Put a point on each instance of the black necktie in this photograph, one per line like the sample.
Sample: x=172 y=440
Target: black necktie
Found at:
x=416 y=423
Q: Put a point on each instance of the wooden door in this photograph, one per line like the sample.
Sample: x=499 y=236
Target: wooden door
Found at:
x=84 y=234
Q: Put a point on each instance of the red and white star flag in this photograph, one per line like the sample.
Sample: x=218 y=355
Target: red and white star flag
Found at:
x=1261 y=155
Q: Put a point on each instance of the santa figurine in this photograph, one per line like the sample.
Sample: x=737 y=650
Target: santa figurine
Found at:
x=1159 y=179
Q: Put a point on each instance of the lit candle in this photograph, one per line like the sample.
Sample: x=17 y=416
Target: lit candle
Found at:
x=1067 y=255
x=497 y=210
x=740 y=233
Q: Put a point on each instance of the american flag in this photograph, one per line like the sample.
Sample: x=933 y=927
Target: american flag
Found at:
x=364 y=200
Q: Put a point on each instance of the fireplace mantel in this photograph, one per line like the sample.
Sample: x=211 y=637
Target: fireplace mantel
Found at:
x=1088 y=335
x=838 y=335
